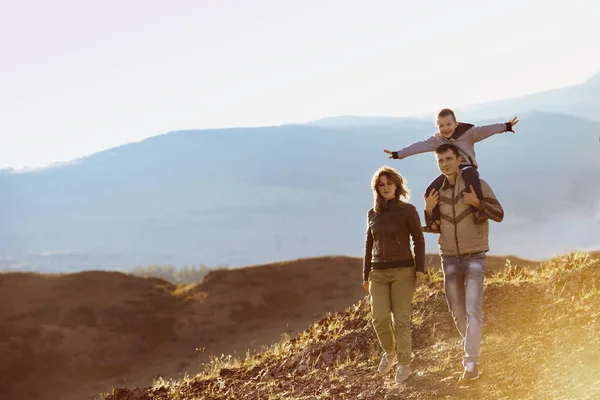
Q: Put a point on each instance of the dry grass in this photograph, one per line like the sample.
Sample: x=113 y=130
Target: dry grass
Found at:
x=541 y=341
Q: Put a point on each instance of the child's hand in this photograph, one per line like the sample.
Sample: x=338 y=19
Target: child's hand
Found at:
x=512 y=123
x=388 y=152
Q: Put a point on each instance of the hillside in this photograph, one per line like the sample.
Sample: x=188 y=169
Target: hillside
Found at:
x=541 y=341
x=255 y=195
x=70 y=336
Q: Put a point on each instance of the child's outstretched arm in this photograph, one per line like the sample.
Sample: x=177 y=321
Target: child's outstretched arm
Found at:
x=479 y=133
x=423 y=146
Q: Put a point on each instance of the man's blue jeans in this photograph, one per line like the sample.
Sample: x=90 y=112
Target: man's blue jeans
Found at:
x=463 y=284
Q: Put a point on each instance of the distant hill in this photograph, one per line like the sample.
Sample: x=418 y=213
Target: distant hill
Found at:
x=581 y=100
x=69 y=336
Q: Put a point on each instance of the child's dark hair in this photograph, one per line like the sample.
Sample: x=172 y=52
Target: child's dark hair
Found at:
x=447 y=146
x=445 y=112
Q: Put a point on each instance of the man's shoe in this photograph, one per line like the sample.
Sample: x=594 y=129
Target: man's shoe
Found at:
x=386 y=363
x=402 y=373
x=471 y=372
x=480 y=216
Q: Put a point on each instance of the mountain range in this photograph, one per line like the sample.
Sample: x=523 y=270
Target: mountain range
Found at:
x=245 y=196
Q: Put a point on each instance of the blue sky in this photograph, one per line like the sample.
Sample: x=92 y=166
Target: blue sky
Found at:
x=79 y=77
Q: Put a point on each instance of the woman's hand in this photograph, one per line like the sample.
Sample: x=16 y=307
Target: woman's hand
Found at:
x=420 y=277
x=366 y=285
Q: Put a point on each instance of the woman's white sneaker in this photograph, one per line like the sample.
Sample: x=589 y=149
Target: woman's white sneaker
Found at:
x=386 y=363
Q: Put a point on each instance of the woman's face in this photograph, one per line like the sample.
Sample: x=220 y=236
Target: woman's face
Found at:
x=386 y=188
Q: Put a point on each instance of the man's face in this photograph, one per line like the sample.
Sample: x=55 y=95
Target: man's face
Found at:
x=448 y=162
x=446 y=126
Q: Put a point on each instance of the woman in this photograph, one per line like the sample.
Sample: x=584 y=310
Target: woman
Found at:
x=389 y=270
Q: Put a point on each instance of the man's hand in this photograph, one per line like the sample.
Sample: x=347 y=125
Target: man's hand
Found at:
x=420 y=277
x=388 y=152
x=512 y=123
x=366 y=285
x=471 y=198
x=432 y=200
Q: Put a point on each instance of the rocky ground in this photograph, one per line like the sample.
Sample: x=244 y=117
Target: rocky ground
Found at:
x=541 y=341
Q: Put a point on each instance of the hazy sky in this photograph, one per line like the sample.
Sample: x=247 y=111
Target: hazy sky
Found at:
x=78 y=77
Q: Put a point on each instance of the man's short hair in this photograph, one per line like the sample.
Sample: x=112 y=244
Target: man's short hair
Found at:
x=447 y=146
x=445 y=112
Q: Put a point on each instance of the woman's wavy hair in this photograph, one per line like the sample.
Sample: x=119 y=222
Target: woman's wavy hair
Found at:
x=402 y=192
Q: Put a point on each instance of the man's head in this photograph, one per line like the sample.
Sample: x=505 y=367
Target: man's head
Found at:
x=446 y=122
x=448 y=159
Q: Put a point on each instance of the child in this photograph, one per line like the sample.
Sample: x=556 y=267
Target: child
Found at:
x=464 y=136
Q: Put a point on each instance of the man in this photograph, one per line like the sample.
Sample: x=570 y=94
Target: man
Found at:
x=463 y=245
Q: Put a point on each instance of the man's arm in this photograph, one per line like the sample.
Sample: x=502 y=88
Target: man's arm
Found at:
x=423 y=146
x=428 y=217
x=490 y=203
